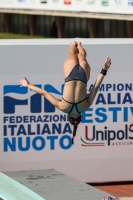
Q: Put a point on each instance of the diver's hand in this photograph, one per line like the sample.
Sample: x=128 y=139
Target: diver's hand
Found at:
x=24 y=82
x=107 y=64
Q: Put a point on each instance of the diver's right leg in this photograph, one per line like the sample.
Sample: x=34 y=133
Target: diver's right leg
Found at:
x=72 y=59
x=73 y=50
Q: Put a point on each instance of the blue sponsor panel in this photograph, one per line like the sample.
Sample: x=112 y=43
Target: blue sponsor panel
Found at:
x=35 y=100
x=42 y=125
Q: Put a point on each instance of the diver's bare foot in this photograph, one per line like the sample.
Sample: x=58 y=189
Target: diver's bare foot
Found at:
x=79 y=44
x=74 y=43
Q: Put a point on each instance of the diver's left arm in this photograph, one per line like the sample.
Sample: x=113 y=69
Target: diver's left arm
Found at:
x=98 y=81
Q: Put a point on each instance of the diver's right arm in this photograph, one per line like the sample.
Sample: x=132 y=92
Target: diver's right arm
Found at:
x=47 y=95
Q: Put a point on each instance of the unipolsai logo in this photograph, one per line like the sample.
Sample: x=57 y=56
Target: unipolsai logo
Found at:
x=108 y=137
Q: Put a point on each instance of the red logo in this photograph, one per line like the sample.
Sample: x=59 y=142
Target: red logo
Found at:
x=67 y=2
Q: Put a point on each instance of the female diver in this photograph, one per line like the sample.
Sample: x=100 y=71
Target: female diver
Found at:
x=76 y=73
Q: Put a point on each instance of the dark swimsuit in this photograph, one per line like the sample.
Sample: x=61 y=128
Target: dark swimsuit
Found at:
x=77 y=73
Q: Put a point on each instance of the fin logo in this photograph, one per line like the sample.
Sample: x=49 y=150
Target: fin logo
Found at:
x=34 y=101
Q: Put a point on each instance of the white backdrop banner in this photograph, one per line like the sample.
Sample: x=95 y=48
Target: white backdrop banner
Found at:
x=35 y=135
x=104 y=6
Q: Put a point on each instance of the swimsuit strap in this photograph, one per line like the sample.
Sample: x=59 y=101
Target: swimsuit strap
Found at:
x=67 y=101
x=74 y=104
x=76 y=108
x=78 y=103
x=71 y=108
x=81 y=100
